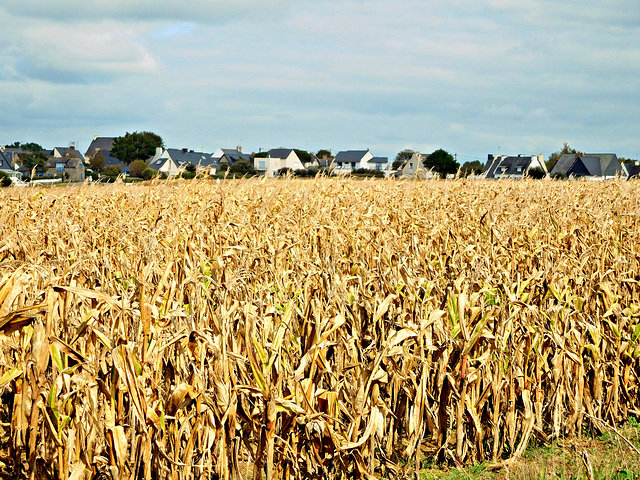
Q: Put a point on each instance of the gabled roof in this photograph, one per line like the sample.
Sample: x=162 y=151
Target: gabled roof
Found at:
x=69 y=162
x=379 y=160
x=632 y=169
x=159 y=162
x=105 y=144
x=590 y=164
x=233 y=155
x=108 y=159
x=507 y=166
x=350 y=156
x=5 y=164
x=564 y=163
x=70 y=152
x=280 y=152
x=184 y=156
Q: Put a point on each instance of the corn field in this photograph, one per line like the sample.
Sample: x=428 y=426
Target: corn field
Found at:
x=319 y=329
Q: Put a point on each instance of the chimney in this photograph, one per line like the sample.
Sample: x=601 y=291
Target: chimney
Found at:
x=185 y=150
x=239 y=148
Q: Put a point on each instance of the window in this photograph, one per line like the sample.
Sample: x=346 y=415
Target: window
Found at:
x=262 y=165
x=59 y=167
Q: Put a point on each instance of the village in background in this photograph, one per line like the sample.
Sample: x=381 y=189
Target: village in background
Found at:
x=142 y=156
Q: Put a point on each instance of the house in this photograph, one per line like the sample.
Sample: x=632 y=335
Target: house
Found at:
x=414 y=168
x=348 y=160
x=277 y=160
x=68 y=163
x=14 y=155
x=229 y=156
x=171 y=160
x=6 y=167
x=505 y=166
x=631 y=169
x=591 y=166
x=378 y=163
x=100 y=148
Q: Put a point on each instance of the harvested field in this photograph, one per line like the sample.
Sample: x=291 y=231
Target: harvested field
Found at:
x=311 y=329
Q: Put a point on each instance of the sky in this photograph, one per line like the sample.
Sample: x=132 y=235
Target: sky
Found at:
x=471 y=76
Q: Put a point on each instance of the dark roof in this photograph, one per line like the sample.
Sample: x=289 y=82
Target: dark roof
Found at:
x=350 y=156
x=499 y=166
x=69 y=152
x=564 y=164
x=233 y=155
x=590 y=164
x=100 y=143
x=5 y=164
x=379 y=160
x=632 y=169
x=280 y=152
x=158 y=163
x=72 y=162
x=184 y=156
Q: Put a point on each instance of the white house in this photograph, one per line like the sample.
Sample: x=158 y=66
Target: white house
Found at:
x=277 y=159
x=348 y=160
x=504 y=166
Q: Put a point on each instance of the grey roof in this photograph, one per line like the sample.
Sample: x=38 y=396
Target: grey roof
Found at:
x=507 y=166
x=590 y=164
x=69 y=162
x=5 y=164
x=108 y=159
x=158 y=163
x=184 y=156
x=280 y=152
x=632 y=169
x=379 y=160
x=350 y=156
x=233 y=155
x=564 y=164
x=100 y=143
x=69 y=151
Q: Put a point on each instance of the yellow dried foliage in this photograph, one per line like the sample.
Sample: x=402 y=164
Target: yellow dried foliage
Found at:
x=311 y=329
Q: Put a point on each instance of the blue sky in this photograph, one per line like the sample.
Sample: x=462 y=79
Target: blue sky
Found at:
x=470 y=76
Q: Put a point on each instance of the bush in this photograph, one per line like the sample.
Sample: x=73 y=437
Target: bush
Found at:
x=188 y=175
x=5 y=181
x=148 y=173
x=536 y=172
x=366 y=172
x=307 y=172
x=242 y=167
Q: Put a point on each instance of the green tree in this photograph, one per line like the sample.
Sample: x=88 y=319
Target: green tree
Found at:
x=555 y=156
x=264 y=154
x=242 y=167
x=5 y=181
x=441 y=162
x=303 y=155
x=98 y=162
x=136 y=146
x=37 y=160
x=402 y=158
x=27 y=147
x=471 y=168
x=137 y=167
x=323 y=153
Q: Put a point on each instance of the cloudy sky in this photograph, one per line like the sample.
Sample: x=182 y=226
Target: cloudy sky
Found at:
x=469 y=76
